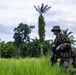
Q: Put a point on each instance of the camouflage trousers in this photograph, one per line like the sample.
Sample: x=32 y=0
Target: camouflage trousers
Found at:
x=74 y=62
x=68 y=63
x=65 y=63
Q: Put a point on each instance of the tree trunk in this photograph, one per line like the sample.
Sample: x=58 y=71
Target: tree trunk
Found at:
x=41 y=50
x=0 y=50
x=17 y=53
x=0 y=54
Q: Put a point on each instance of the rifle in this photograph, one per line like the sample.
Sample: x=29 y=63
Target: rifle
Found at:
x=54 y=56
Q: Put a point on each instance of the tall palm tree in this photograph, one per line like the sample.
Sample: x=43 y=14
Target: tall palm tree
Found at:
x=41 y=22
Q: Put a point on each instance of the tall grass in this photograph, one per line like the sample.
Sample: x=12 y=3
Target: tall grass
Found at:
x=29 y=66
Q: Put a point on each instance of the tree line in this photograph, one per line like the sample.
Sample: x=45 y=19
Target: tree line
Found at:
x=23 y=46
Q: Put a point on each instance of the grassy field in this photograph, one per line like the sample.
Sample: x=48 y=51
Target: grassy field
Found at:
x=29 y=66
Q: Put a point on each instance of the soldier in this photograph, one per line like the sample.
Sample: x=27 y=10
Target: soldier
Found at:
x=62 y=47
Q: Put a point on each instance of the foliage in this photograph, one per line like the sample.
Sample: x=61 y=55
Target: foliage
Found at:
x=21 y=34
x=7 y=50
x=34 y=48
x=31 y=49
x=46 y=47
x=66 y=32
x=72 y=38
x=24 y=50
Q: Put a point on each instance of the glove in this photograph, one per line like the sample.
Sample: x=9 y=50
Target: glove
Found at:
x=58 y=48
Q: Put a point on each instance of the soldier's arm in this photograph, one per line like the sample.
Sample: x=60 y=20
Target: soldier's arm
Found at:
x=65 y=43
x=65 y=46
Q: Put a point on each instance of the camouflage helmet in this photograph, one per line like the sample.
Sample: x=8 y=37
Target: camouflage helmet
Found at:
x=56 y=28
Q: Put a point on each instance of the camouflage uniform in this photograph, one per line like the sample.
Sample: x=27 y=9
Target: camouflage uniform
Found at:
x=64 y=52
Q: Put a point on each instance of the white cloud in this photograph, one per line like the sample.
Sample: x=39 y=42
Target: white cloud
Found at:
x=6 y=37
x=13 y=12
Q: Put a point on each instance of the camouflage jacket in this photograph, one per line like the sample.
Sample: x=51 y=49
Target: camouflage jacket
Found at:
x=64 y=42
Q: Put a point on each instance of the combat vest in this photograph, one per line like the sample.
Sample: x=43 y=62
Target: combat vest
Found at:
x=65 y=45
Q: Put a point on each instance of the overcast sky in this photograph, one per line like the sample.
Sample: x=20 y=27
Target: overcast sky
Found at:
x=13 y=12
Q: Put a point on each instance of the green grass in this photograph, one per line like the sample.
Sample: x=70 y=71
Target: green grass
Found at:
x=29 y=66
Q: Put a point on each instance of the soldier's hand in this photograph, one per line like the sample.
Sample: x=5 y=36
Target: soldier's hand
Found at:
x=58 y=48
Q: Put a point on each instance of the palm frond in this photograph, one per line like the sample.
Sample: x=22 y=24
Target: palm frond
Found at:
x=47 y=9
x=42 y=6
x=42 y=9
x=37 y=9
x=70 y=33
x=65 y=32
